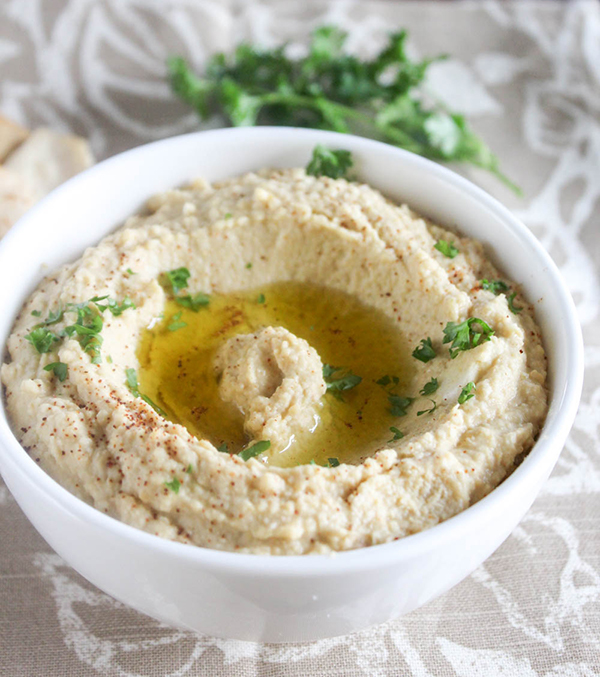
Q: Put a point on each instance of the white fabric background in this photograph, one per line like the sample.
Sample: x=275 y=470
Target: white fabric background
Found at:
x=528 y=75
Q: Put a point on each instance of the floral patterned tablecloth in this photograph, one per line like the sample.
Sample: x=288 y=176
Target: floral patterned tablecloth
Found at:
x=528 y=75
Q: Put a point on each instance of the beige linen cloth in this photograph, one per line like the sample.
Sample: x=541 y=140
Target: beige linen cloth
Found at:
x=528 y=76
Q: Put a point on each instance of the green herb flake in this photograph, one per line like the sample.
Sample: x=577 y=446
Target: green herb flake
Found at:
x=398 y=434
x=261 y=298
x=467 y=392
x=176 y=322
x=36 y=313
x=178 y=279
x=195 y=302
x=59 y=369
x=495 y=286
x=117 y=308
x=424 y=351
x=399 y=404
x=42 y=339
x=383 y=97
x=332 y=163
x=345 y=380
x=446 y=248
x=430 y=387
x=229 y=215
x=511 y=304
x=224 y=448
x=466 y=335
x=174 y=485
x=129 y=271
x=109 y=359
x=428 y=411
x=333 y=462
x=189 y=470
x=249 y=265
x=254 y=450
x=132 y=383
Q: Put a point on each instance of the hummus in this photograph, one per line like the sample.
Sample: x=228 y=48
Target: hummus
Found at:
x=464 y=401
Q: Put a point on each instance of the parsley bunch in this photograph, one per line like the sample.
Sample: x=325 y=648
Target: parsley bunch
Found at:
x=382 y=98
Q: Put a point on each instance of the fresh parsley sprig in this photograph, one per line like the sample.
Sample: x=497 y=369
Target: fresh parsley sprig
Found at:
x=466 y=335
x=345 y=379
x=332 y=163
x=382 y=97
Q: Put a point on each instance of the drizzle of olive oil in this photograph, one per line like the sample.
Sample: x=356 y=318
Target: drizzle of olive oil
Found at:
x=177 y=372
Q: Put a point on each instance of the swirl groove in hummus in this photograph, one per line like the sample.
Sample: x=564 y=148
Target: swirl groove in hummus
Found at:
x=100 y=441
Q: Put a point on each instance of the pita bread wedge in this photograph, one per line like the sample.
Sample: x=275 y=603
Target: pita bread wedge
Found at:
x=11 y=135
x=46 y=159
x=16 y=197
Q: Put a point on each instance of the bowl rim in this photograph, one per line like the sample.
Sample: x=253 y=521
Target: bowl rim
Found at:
x=546 y=448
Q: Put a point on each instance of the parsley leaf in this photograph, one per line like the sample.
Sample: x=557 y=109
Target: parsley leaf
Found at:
x=333 y=462
x=42 y=340
x=511 y=305
x=495 y=286
x=36 y=313
x=386 y=380
x=59 y=369
x=254 y=450
x=132 y=383
x=346 y=381
x=424 y=351
x=467 y=392
x=174 y=485
x=398 y=434
x=428 y=411
x=382 y=97
x=224 y=448
x=332 y=163
x=466 y=335
x=249 y=265
x=261 y=298
x=178 y=279
x=446 y=248
x=189 y=469
x=176 y=322
x=399 y=404
x=195 y=302
x=430 y=387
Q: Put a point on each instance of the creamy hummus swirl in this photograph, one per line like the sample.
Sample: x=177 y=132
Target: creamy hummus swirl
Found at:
x=114 y=451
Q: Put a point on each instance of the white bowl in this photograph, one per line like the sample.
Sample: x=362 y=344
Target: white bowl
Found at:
x=281 y=599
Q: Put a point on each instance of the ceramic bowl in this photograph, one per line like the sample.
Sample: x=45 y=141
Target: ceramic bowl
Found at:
x=300 y=598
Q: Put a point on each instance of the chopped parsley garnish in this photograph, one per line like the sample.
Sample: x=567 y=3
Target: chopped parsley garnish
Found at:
x=59 y=369
x=178 y=279
x=228 y=215
x=386 y=380
x=36 y=313
x=511 y=304
x=398 y=434
x=176 y=322
x=430 y=387
x=428 y=411
x=132 y=383
x=495 y=286
x=338 y=384
x=382 y=97
x=333 y=462
x=446 y=248
x=249 y=265
x=42 y=340
x=129 y=271
x=173 y=485
x=189 y=469
x=117 y=308
x=194 y=302
x=261 y=298
x=399 y=404
x=467 y=393
x=466 y=335
x=254 y=450
x=424 y=351
x=332 y=163
x=224 y=448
